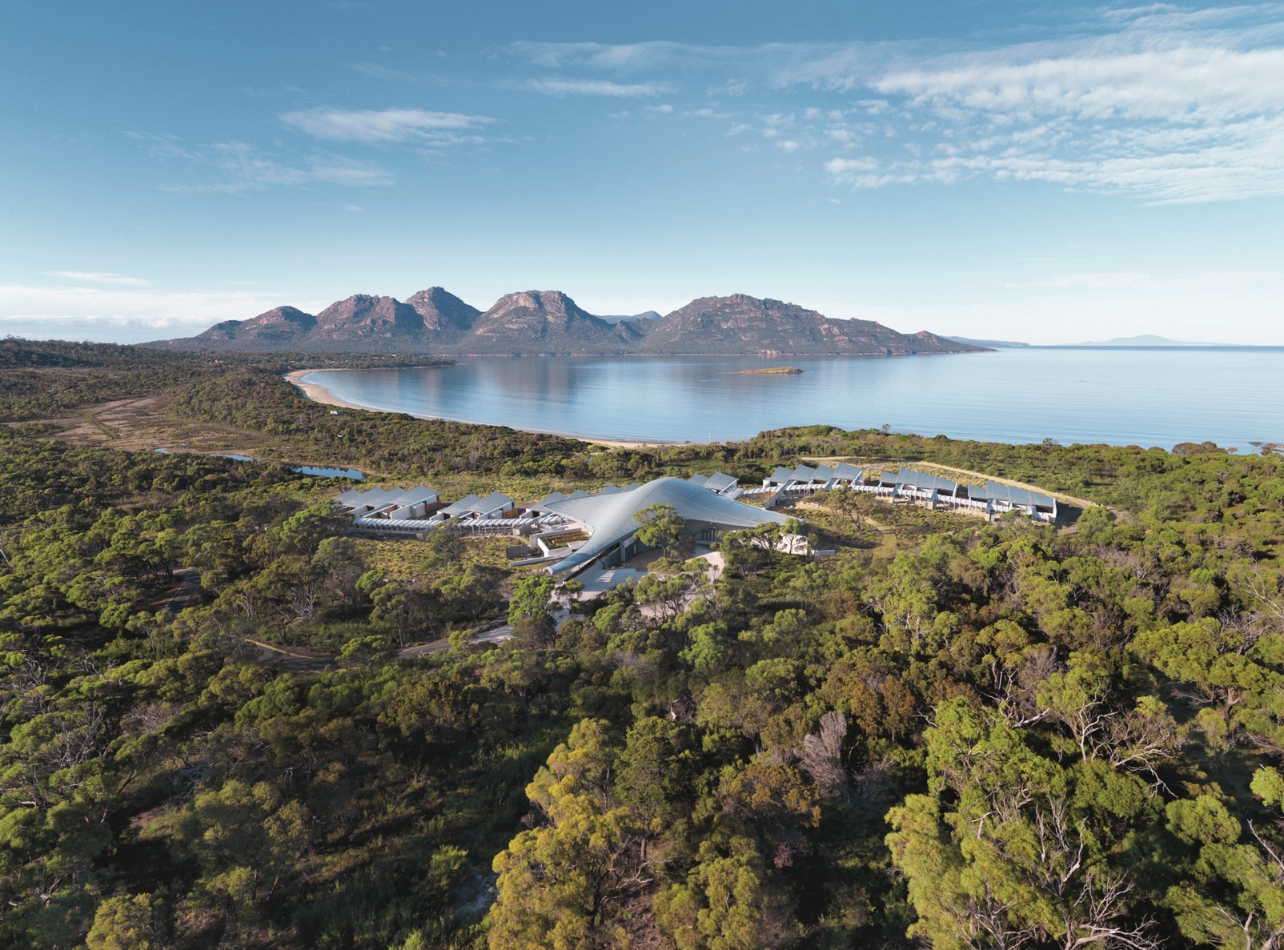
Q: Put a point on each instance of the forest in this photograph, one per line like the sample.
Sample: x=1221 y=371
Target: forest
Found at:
x=950 y=733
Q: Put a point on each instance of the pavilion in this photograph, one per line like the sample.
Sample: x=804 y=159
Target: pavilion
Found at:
x=608 y=519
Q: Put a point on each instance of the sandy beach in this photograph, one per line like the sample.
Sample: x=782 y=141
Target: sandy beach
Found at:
x=326 y=398
x=317 y=393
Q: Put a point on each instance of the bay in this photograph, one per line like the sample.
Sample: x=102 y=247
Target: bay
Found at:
x=1145 y=396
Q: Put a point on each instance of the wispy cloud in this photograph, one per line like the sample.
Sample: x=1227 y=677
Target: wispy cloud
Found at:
x=125 y=315
x=1166 y=104
x=386 y=125
x=597 y=87
x=1157 y=109
x=626 y=57
x=97 y=277
x=238 y=166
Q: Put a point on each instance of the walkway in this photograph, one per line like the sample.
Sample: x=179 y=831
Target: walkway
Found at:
x=293 y=661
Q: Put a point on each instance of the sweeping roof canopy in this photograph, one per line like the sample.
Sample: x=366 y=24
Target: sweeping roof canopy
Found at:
x=610 y=518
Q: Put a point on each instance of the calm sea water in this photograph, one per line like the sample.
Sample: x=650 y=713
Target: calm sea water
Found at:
x=1161 y=396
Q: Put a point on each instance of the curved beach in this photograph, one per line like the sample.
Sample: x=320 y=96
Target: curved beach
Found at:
x=325 y=397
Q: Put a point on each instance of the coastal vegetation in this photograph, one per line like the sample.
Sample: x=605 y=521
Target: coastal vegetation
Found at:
x=949 y=732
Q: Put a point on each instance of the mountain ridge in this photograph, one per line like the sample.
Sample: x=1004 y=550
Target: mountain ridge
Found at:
x=549 y=322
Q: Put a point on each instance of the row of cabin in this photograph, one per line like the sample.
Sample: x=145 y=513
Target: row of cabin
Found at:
x=420 y=507
x=806 y=478
x=994 y=497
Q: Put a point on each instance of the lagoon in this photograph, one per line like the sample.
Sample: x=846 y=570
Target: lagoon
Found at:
x=1129 y=395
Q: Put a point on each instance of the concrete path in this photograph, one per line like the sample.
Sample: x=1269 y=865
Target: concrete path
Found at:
x=185 y=592
x=287 y=661
x=283 y=658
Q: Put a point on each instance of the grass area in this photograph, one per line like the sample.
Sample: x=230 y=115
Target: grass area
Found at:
x=881 y=535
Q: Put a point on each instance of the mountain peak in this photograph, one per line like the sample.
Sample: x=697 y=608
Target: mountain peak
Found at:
x=363 y=316
x=547 y=301
x=742 y=324
x=442 y=310
x=550 y=322
x=547 y=316
x=275 y=326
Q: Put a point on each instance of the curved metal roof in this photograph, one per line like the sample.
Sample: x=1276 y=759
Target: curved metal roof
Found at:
x=610 y=517
x=1013 y=495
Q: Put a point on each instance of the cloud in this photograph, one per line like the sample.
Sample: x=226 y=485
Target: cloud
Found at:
x=596 y=87
x=1182 y=84
x=125 y=315
x=387 y=125
x=626 y=57
x=1163 y=108
x=1157 y=102
x=239 y=166
x=97 y=277
x=869 y=173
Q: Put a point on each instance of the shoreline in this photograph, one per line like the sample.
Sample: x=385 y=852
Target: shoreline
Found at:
x=319 y=394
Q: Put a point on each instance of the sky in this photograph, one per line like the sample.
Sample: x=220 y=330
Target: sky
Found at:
x=995 y=169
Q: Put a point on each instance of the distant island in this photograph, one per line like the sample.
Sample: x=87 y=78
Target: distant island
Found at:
x=549 y=323
x=770 y=371
x=1145 y=339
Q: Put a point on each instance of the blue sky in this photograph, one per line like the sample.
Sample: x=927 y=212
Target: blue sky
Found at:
x=1015 y=170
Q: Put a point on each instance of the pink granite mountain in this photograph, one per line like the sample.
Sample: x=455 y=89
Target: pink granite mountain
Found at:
x=549 y=322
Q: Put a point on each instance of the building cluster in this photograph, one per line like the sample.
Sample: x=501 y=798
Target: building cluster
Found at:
x=993 y=498
x=607 y=522
x=569 y=532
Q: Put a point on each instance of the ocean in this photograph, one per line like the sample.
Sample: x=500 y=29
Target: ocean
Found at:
x=1233 y=396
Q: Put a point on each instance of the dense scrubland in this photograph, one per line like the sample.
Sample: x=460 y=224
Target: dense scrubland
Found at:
x=950 y=732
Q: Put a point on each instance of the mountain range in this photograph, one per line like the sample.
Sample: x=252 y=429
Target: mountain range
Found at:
x=549 y=322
